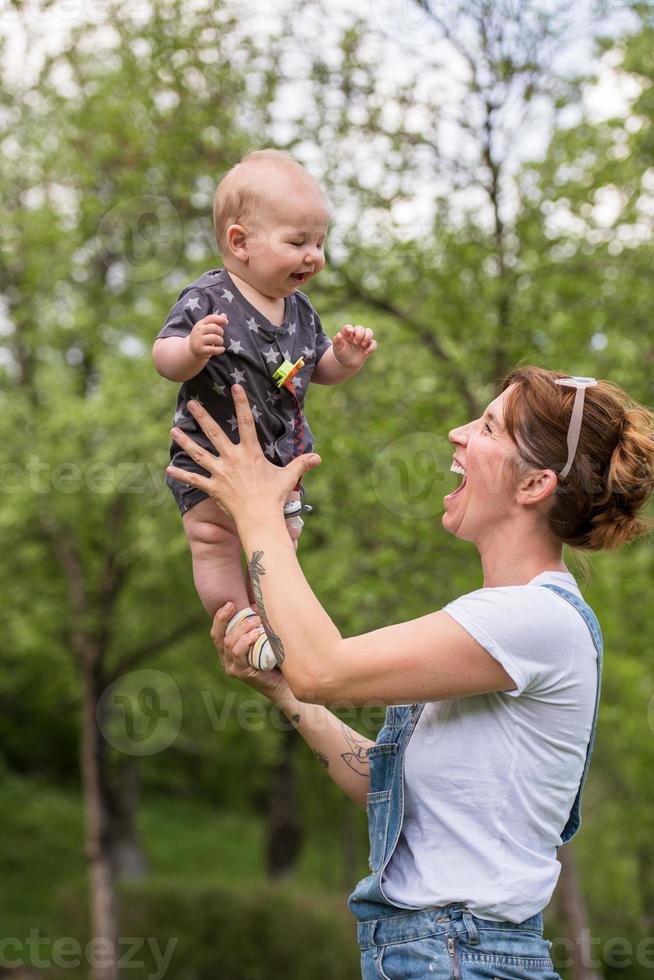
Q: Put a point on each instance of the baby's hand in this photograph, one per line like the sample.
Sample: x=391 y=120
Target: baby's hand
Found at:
x=206 y=337
x=353 y=345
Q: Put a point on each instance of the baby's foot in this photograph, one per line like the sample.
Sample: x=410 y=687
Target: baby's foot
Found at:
x=260 y=654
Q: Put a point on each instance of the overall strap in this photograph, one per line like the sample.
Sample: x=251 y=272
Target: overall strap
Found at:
x=574 y=820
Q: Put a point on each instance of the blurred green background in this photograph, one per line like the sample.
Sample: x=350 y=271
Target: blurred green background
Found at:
x=491 y=169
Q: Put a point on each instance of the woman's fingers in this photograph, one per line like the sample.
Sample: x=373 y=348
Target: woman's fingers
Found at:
x=246 y=427
x=219 y=625
x=192 y=479
x=211 y=429
x=201 y=456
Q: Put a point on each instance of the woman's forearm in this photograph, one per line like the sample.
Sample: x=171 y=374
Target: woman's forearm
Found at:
x=301 y=634
x=341 y=750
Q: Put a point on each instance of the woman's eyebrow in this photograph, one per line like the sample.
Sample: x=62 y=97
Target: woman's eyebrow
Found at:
x=494 y=420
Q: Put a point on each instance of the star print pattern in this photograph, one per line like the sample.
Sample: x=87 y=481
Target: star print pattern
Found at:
x=252 y=354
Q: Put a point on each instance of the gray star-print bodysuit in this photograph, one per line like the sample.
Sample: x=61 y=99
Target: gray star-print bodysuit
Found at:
x=254 y=349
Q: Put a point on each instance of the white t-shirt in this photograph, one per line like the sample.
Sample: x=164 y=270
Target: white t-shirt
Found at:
x=490 y=780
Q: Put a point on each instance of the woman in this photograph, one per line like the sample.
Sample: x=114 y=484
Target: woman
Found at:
x=476 y=777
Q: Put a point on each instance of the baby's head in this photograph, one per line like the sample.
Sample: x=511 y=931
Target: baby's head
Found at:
x=270 y=218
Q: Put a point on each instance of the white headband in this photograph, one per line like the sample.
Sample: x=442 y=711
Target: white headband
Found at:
x=577 y=414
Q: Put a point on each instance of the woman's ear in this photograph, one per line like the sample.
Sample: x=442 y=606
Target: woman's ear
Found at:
x=237 y=242
x=536 y=486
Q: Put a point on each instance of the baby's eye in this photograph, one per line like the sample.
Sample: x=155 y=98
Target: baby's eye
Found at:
x=299 y=244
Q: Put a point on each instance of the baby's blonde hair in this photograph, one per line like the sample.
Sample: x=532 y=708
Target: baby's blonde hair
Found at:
x=238 y=195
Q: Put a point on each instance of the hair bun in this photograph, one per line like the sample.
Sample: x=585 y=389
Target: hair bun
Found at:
x=629 y=483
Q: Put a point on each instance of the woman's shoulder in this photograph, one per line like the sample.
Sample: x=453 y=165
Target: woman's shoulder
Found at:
x=530 y=627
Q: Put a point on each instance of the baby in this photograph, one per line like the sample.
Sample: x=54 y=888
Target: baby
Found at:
x=240 y=325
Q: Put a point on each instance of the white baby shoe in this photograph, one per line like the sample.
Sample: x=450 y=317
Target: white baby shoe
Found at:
x=260 y=654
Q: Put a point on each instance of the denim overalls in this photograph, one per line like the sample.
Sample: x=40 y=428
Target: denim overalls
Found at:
x=400 y=943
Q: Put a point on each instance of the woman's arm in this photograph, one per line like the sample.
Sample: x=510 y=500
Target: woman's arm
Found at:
x=427 y=659
x=342 y=751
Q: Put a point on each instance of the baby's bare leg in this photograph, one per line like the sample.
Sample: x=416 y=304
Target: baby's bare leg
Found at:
x=216 y=553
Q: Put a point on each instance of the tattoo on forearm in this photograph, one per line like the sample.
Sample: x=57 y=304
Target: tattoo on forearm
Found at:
x=295 y=719
x=256 y=570
x=357 y=759
x=322 y=759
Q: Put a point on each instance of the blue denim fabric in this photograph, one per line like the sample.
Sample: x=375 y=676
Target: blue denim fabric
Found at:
x=398 y=941
x=452 y=944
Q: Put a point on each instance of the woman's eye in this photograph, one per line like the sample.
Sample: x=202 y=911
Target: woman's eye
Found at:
x=487 y=427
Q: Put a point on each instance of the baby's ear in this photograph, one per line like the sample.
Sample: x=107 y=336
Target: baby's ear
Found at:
x=237 y=242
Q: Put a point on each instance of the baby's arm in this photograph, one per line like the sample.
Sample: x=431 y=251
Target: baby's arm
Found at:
x=181 y=358
x=351 y=348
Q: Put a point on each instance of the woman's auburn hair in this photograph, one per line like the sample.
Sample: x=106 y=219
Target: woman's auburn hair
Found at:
x=598 y=504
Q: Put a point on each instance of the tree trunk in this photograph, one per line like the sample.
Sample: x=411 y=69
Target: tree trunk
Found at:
x=128 y=859
x=284 y=830
x=585 y=964
x=104 y=926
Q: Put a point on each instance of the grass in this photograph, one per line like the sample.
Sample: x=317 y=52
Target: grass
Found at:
x=184 y=840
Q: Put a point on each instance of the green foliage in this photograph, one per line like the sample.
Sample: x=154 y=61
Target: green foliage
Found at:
x=253 y=932
x=106 y=187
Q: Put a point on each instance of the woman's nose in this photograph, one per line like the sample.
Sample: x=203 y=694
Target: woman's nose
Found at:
x=459 y=435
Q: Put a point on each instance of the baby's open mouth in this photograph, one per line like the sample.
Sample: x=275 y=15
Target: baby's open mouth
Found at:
x=299 y=276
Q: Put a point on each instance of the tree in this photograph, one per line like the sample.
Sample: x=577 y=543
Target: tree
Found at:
x=108 y=195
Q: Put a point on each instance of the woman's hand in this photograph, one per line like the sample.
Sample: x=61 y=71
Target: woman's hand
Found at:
x=233 y=654
x=241 y=481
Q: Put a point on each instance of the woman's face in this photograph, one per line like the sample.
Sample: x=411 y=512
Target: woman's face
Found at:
x=484 y=452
